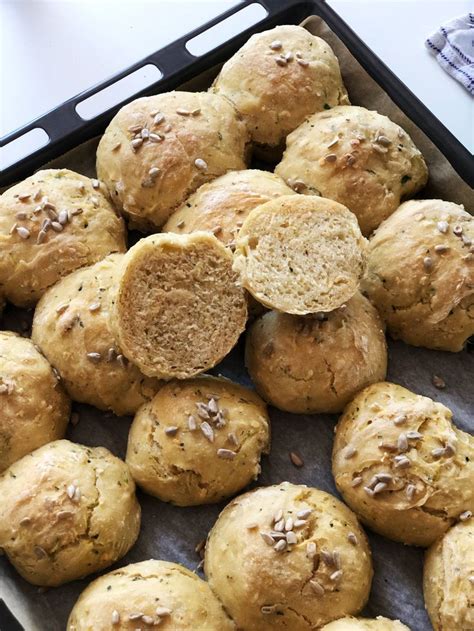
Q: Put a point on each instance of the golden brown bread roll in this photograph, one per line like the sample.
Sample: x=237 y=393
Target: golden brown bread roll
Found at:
x=357 y=157
x=401 y=464
x=159 y=149
x=364 y=624
x=433 y=304
x=51 y=224
x=288 y=557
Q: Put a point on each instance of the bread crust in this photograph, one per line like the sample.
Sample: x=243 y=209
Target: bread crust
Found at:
x=433 y=305
x=357 y=157
x=425 y=462
x=308 y=365
x=199 y=136
x=71 y=326
x=159 y=590
x=34 y=407
x=274 y=97
x=300 y=254
x=67 y=510
x=247 y=574
x=173 y=455
x=221 y=206
x=177 y=308
x=448 y=579
x=35 y=253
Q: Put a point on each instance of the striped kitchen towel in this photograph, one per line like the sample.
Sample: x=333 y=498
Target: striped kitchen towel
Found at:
x=453 y=47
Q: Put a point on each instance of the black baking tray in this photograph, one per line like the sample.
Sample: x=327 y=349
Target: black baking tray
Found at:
x=66 y=129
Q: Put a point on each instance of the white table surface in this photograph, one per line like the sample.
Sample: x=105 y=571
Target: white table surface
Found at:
x=54 y=49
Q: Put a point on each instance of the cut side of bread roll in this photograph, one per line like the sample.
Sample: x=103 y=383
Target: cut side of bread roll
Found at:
x=178 y=309
x=300 y=254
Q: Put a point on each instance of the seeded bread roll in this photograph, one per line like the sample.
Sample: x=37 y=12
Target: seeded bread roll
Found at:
x=364 y=624
x=198 y=441
x=316 y=364
x=71 y=326
x=221 y=206
x=159 y=149
x=288 y=557
x=177 y=308
x=433 y=305
x=51 y=224
x=300 y=254
x=401 y=464
x=357 y=157
x=149 y=594
x=448 y=579
x=34 y=406
x=67 y=510
x=277 y=79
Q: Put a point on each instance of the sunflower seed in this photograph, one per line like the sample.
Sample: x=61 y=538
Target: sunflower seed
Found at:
x=414 y=435
x=183 y=112
x=135 y=128
x=77 y=211
x=278 y=515
x=63 y=217
x=402 y=442
x=233 y=439
x=192 y=425
x=291 y=538
x=145 y=133
x=317 y=587
x=252 y=525
x=299 y=523
x=296 y=459
x=400 y=419
x=148 y=620
x=350 y=452
x=310 y=549
x=172 y=430
x=383 y=140
x=402 y=462
x=23 y=197
x=304 y=514
x=327 y=557
x=200 y=164
x=303 y=62
x=207 y=430
x=276 y=45
x=352 y=538
x=330 y=157
x=23 y=232
x=25 y=521
x=77 y=494
x=410 y=491
x=281 y=61
x=267 y=538
x=135 y=616
x=154 y=172
x=384 y=477
x=457 y=230
x=438 y=452
x=336 y=576
x=156 y=137
x=298 y=185
x=115 y=617
x=71 y=489
x=41 y=237
x=94 y=357
x=279 y=525
x=380 y=487
x=357 y=481
x=289 y=524
x=227 y=454
x=158 y=118
x=163 y=611
x=280 y=545
x=212 y=406
x=442 y=226
x=438 y=382
x=21 y=215
x=289 y=56
x=466 y=515
x=136 y=143
x=369 y=491
x=267 y=609
x=40 y=552
x=428 y=263
x=333 y=142
x=449 y=449
x=95 y=306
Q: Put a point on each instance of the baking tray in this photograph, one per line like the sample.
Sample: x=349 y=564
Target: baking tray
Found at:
x=169 y=532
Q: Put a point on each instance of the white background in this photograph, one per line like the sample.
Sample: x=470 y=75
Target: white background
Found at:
x=54 y=49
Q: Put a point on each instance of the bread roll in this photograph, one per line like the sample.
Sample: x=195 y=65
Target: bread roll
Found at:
x=433 y=304
x=198 y=441
x=34 y=406
x=221 y=206
x=150 y=594
x=67 y=510
x=316 y=364
x=401 y=464
x=364 y=624
x=277 y=79
x=159 y=149
x=448 y=578
x=71 y=326
x=51 y=224
x=177 y=309
x=288 y=557
x=300 y=254
x=357 y=157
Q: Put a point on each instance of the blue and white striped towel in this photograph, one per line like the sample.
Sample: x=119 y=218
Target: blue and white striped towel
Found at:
x=453 y=47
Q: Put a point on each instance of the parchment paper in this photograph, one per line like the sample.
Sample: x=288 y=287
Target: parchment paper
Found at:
x=171 y=533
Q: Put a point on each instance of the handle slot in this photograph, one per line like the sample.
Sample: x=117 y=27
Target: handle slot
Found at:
x=23 y=146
